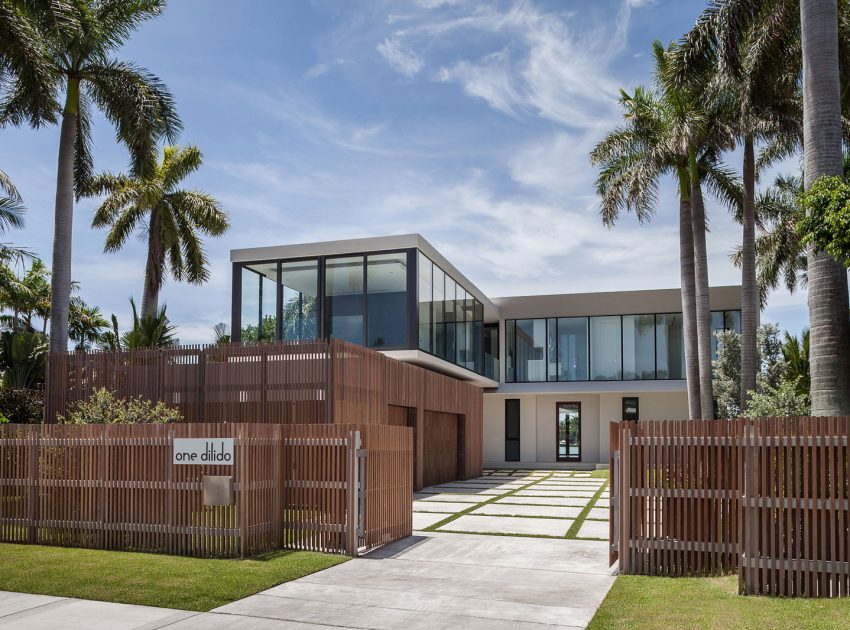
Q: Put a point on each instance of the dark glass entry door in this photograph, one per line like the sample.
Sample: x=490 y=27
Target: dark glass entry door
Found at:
x=569 y=432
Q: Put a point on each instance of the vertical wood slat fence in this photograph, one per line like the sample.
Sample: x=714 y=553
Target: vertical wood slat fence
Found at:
x=305 y=382
x=767 y=498
x=332 y=488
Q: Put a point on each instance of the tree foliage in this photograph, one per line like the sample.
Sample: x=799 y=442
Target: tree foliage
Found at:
x=826 y=223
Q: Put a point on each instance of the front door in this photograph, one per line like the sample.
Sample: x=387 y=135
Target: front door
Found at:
x=569 y=432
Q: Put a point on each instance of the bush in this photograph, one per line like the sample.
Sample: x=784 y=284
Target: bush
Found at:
x=782 y=400
x=22 y=406
x=104 y=408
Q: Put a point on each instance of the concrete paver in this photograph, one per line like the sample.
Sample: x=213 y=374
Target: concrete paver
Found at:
x=524 y=500
x=445 y=507
x=509 y=525
x=506 y=509
x=421 y=520
x=594 y=529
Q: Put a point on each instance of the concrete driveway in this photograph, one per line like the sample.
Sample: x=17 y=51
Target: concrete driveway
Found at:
x=532 y=569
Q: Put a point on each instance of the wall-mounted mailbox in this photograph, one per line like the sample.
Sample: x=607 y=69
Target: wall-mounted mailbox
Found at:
x=218 y=490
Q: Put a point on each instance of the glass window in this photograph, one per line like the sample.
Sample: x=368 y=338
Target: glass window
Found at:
x=530 y=350
x=552 y=350
x=425 y=281
x=450 y=317
x=300 y=306
x=638 y=347
x=344 y=298
x=605 y=357
x=439 y=348
x=460 y=325
x=478 y=336
x=717 y=324
x=259 y=302
x=510 y=359
x=572 y=349
x=491 y=351
x=386 y=284
x=670 y=346
x=732 y=320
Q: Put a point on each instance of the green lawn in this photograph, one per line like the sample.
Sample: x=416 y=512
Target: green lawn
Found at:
x=600 y=474
x=638 y=602
x=150 y=579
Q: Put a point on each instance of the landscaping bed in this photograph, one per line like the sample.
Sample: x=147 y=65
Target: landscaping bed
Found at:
x=638 y=602
x=150 y=579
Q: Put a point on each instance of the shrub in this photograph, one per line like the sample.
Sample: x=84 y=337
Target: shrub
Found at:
x=23 y=357
x=104 y=408
x=22 y=406
x=782 y=400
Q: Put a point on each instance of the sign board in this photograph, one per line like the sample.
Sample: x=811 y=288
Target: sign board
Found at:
x=203 y=451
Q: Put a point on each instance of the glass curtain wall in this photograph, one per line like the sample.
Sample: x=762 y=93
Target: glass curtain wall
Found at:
x=615 y=347
x=720 y=321
x=451 y=320
x=300 y=281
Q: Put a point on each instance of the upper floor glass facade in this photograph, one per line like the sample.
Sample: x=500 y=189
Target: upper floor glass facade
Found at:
x=384 y=300
x=603 y=348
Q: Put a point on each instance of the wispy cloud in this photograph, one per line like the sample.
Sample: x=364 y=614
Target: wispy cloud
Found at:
x=406 y=62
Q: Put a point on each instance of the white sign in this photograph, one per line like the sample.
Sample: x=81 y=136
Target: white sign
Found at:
x=203 y=451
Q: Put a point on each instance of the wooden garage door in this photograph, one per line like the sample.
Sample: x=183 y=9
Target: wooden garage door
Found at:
x=440 y=461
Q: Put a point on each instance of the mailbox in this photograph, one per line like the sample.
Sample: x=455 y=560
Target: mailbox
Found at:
x=218 y=490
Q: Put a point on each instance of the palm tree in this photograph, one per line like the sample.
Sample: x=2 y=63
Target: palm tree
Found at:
x=111 y=339
x=822 y=144
x=71 y=45
x=665 y=134
x=803 y=36
x=86 y=325
x=795 y=351
x=761 y=103
x=221 y=334
x=152 y=331
x=171 y=217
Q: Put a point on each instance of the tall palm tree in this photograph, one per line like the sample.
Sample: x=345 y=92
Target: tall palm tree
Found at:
x=152 y=331
x=803 y=35
x=654 y=142
x=795 y=352
x=822 y=143
x=73 y=43
x=761 y=104
x=171 y=217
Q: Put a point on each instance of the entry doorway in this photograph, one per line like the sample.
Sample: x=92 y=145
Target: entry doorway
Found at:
x=568 y=432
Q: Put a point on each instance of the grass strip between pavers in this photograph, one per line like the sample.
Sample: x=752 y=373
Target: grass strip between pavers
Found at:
x=572 y=532
x=474 y=506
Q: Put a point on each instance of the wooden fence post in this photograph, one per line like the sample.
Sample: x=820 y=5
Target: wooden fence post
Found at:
x=32 y=495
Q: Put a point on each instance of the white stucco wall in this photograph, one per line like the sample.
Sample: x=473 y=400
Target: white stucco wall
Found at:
x=538 y=422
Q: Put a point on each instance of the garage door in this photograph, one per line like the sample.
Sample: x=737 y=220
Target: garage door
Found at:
x=440 y=448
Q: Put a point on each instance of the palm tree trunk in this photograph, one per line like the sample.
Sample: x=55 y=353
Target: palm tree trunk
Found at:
x=153 y=268
x=828 y=299
x=703 y=306
x=750 y=303
x=60 y=279
x=689 y=321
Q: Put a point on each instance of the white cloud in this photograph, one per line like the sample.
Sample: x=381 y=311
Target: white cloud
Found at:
x=406 y=62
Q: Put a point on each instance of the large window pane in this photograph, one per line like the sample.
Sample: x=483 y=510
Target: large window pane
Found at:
x=425 y=284
x=439 y=317
x=732 y=320
x=460 y=326
x=552 y=350
x=605 y=360
x=670 y=346
x=530 y=350
x=491 y=351
x=259 y=302
x=510 y=354
x=344 y=291
x=300 y=303
x=478 y=335
x=386 y=283
x=717 y=325
x=638 y=347
x=450 y=317
x=572 y=349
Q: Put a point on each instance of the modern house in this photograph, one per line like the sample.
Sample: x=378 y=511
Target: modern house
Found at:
x=554 y=370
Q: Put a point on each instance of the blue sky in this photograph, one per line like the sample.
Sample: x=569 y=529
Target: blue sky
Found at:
x=469 y=122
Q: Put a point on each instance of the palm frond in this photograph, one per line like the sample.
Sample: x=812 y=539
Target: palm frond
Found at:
x=11 y=214
x=179 y=163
